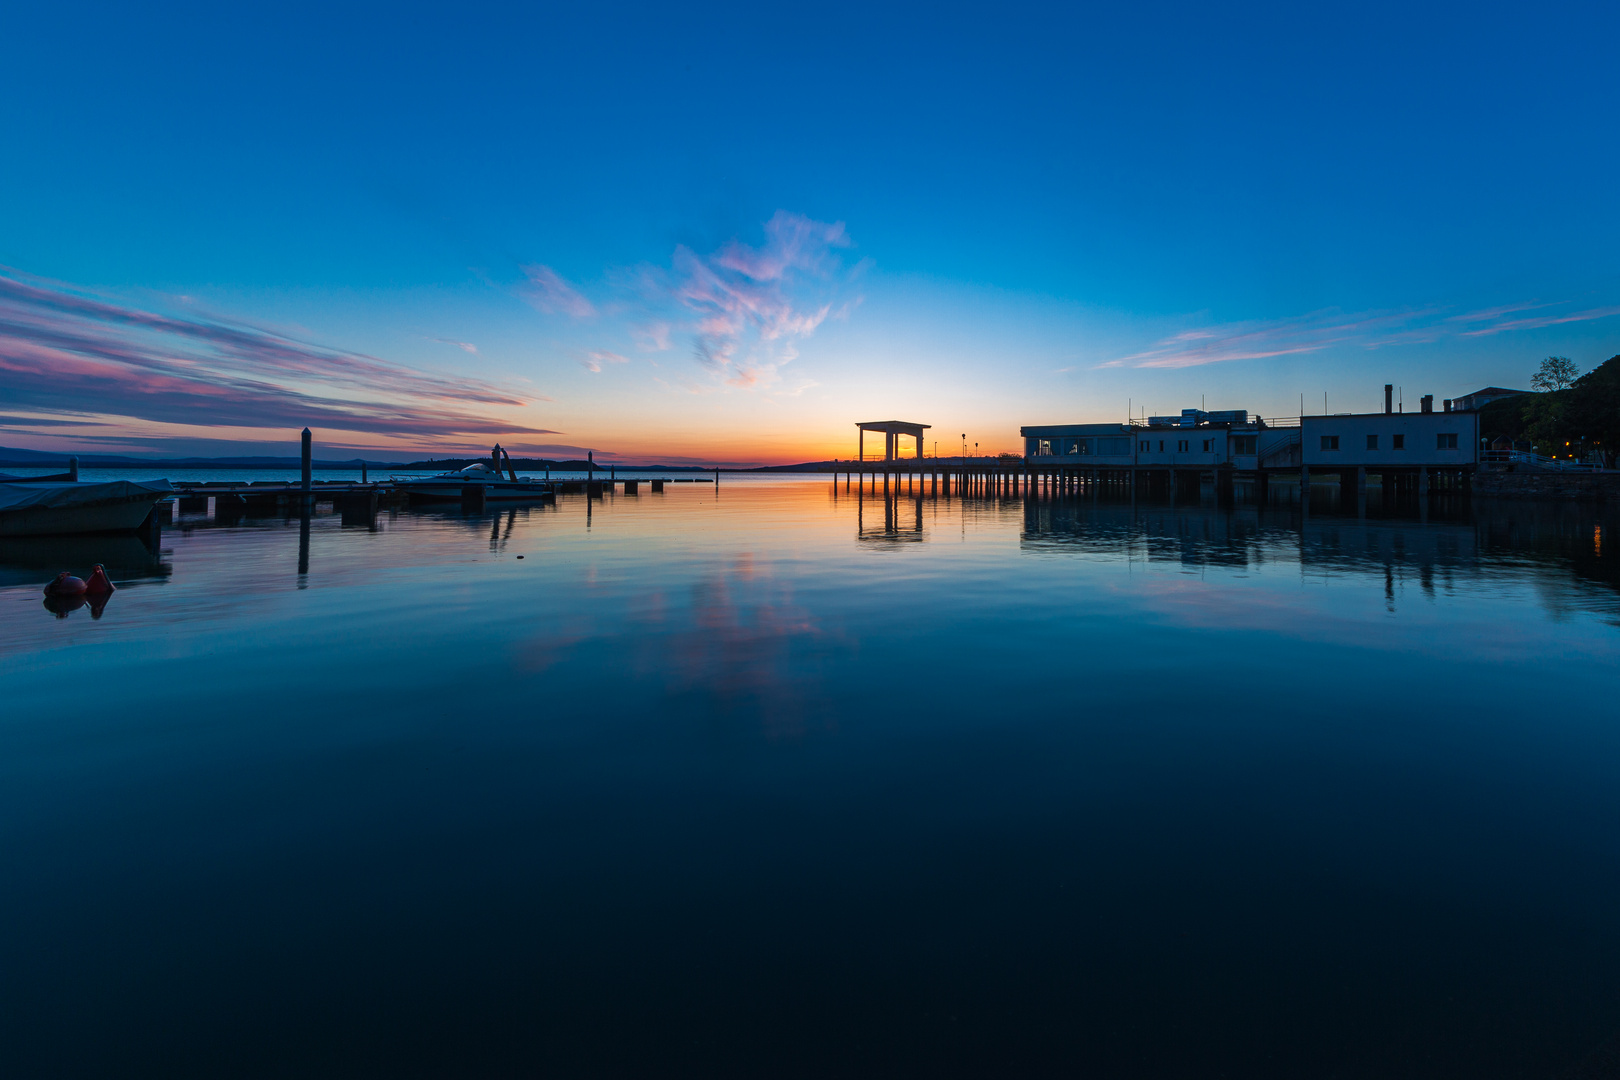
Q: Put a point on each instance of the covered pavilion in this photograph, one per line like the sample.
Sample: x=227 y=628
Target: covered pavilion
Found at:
x=892 y=430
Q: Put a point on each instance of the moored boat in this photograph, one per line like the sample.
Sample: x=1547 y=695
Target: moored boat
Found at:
x=452 y=486
x=54 y=507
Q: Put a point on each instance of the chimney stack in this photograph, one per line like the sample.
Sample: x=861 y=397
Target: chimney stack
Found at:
x=1426 y=403
x=1447 y=405
x=1389 y=398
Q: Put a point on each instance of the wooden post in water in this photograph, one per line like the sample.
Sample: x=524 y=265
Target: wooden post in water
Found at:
x=304 y=458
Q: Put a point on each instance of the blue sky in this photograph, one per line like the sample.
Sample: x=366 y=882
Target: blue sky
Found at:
x=726 y=234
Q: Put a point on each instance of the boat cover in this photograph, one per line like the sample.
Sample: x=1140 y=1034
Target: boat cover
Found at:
x=21 y=495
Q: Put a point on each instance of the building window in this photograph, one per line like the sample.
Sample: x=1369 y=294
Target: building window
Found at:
x=1400 y=442
x=1181 y=446
x=1330 y=442
x=1044 y=448
x=1161 y=446
x=1244 y=444
x=1372 y=442
x=1206 y=445
x=1445 y=441
x=1074 y=448
x=1085 y=446
x=1143 y=446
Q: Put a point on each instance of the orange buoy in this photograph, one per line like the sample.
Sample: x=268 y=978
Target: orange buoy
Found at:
x=65 y=585
x=98 y=585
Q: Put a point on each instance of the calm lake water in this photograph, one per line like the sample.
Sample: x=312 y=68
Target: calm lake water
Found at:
x=769 y=779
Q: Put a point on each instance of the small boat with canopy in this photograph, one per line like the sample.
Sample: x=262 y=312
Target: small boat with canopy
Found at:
x=498 y=485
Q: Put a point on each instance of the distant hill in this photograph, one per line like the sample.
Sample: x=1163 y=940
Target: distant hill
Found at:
x=15 y=456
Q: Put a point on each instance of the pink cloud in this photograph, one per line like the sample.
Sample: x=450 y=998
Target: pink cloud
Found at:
x=62 y=352
x=1258 y=340
x=1538 y=321
x=746 y=305
x=594 y=361
x=548 y=292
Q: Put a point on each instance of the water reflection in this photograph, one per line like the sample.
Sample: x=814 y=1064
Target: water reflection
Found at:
x=899 y=519
x=63 y=606
x=1127 y=788
x=741 y=651
x=1486 y=542
x=33 y=560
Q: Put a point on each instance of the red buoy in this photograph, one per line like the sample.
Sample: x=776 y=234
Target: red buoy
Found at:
x=65 y=585
x=98 y=585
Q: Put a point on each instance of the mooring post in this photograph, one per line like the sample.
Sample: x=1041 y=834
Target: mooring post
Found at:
x=304 y=460
x=73 y=469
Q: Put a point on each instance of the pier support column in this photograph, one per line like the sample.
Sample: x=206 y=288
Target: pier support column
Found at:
x=1423 y=482
x=229 y=508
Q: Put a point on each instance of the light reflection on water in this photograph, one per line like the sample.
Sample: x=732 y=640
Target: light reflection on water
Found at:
x=781 y=778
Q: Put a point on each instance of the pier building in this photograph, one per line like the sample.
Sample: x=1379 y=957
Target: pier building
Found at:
x=1410 y=453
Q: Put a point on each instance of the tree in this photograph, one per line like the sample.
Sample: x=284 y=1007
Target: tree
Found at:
x=1593 y=413
x=1555 y=373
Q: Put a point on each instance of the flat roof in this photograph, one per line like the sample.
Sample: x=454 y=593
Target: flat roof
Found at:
x=1075 y=429
x=900 y=427
x=1392 y=416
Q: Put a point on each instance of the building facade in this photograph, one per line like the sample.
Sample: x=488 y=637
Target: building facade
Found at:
x=1421 y=440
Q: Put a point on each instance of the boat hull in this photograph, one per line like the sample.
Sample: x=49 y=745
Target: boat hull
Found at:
x=452 y=492
x=124 y=513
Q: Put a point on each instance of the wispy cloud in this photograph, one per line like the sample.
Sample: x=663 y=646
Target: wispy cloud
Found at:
x=1320 y=330
x=746 y=308
x=593 y=361
x=65 y=352
x=1535 y=322
x=653 y=336
x=548 y=292
x=464 y=346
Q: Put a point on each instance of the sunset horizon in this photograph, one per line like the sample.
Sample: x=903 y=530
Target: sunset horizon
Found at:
x=391 y=251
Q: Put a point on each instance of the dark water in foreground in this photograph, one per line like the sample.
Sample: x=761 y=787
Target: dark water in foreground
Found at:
x=759 y=781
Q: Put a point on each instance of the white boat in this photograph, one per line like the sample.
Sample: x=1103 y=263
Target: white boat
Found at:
x=452 y=486
x=47 y=507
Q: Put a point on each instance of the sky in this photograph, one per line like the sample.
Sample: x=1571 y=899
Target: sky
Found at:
x=725 y=234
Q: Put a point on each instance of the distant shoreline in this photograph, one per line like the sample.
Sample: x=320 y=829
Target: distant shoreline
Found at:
x=433 y=465
x=16 y=458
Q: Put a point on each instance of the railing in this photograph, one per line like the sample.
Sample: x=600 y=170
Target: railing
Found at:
x=1538 y=461
x=1266 y=421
